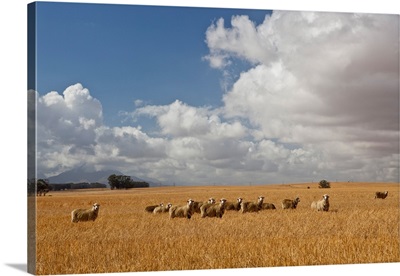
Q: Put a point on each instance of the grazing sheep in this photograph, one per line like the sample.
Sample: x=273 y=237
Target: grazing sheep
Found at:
x=234 y=206
x=85 y=214
x=252 y=206
x=266 y=206
x=151 y=208
x=382 y=195
x=198 y=204
x=290 y=204
x=182 y=211
x=162 y=208
x=321 y=205
x=213 y=210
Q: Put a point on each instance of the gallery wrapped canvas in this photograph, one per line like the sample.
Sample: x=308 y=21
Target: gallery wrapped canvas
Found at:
x=168 y=138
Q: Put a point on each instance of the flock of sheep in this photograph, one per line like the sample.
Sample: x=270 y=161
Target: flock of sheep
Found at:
x=211 y=208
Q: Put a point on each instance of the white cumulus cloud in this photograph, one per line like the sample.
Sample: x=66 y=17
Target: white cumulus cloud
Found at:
x=325 y=82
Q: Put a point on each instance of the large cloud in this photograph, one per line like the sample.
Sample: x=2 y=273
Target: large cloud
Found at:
x=341 y=67
x=71 y=131
x=327 y=82
x=66 y=128
x=180 y=120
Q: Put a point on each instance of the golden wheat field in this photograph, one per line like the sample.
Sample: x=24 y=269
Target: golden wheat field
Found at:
x=357 y=229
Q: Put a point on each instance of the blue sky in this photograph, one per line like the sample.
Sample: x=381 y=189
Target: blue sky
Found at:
x=127 y=52
x=195 y=96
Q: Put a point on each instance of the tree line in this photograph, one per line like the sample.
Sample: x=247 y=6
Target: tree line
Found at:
x=125 y=182
x=81 y=185
x=42 y=186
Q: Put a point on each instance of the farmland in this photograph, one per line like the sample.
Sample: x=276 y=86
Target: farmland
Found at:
x=357 y=229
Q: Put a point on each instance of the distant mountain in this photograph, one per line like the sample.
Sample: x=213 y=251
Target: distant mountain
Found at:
x=84 y=173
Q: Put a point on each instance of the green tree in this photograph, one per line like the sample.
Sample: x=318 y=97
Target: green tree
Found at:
x=113 y=181
x=42 y=187
x=324 y=184
x=124 y=182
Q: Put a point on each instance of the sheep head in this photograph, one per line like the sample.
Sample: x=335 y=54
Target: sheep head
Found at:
x=190 y=202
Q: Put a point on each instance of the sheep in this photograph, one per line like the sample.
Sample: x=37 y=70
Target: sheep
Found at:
x=234 y=205
x=252 y=206
x=151 y=208
x=266 y=206
x=85 y=214
x=213 y=210
x=198 y=204
x=182 y=211
x=290 y=204
x=382 y=195
x=162 y=208
x=321 y=205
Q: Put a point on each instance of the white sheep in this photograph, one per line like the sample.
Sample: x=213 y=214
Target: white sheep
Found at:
x=85 y=214
x=252 y=206
x=234 y=205
x=213 y=210
x=382 y=195
x=162 y=208
x=267 y=206
x=182 y=211
x=290 y=204
x=151 y=208
x=321 y=205
x=198 y=204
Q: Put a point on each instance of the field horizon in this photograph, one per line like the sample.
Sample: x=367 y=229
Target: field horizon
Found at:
x=357 y=229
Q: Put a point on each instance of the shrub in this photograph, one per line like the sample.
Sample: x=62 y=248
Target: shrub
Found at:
x=324 y=184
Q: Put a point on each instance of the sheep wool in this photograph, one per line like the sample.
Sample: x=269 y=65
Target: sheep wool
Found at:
x=197 y=204
x=213 y=210
x=290 y=204
x=252 y=206
x=234 y=205
x=162 y=209
x=321 y=205
x=85 y=214
x=182 y=211
x=381 y=195
x=151 y=208
x=267 y=206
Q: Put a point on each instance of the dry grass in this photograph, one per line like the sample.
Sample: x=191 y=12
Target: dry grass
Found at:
x=357 y=229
